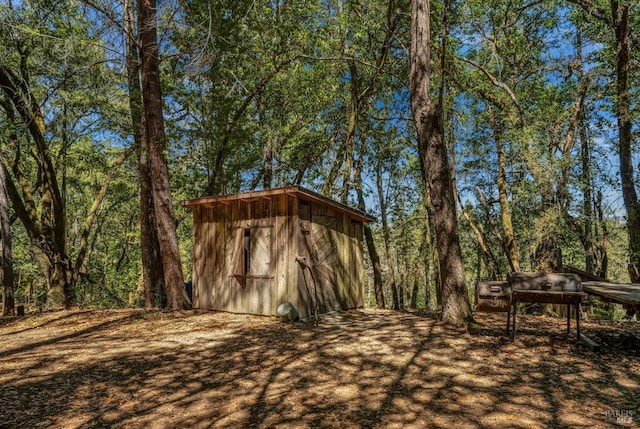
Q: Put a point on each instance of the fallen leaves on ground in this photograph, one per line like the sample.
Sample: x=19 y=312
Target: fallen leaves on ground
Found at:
x=138 y=369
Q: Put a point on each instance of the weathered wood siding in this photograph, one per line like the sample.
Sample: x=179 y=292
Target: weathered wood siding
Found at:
x=245 y=256
x=332 y=248
x=198 y=258
x=295 y=282
x=357 y=243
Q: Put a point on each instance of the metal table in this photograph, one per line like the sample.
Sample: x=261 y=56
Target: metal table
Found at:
x=548 y=297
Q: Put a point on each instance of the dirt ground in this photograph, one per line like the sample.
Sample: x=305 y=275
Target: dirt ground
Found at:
x=137 y=369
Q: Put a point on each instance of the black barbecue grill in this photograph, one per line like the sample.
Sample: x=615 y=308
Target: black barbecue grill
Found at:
x=547 y=288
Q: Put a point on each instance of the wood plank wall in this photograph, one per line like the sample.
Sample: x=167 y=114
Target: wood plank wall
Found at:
x=333 y=245
x=198 y=257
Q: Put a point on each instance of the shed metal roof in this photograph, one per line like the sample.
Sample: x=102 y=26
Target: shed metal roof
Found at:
x=298 y=191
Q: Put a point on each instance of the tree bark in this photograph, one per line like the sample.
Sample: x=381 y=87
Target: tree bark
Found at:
x=82 y=258
x=456 y=307
x=602 y=246
x=377 y=269
x=386 y=237
x=510 y=243
x=5 y=238
x=371 y=247
x=619 y=21
x=414 y=292
x=402 y=256
x=350 y=137
x=46 y=231
x=429 y=250
x=177 y=298
x=426 y=249
x=620 y=17
x=587 y=208
x=485 y=249
x=152 y=271
x=585 y=155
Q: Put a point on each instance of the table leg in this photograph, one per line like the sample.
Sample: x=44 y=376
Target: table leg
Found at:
x=513 y=330
x=568 y=319
x=578 y=320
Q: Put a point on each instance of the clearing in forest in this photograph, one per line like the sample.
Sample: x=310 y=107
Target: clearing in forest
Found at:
x=137 y=369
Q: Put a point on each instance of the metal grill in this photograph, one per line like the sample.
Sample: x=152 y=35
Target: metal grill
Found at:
x=545 y=282
x=547 y=288
x=492 y=297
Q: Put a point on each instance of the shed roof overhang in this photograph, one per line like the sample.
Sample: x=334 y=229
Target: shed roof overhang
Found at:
x=297 y=191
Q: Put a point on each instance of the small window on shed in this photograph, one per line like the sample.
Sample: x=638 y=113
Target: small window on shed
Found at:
x=305 y=210
x=247 y=251
x=254 y=252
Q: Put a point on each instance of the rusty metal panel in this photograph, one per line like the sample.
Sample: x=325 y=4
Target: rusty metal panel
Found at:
x=541 y=281
x=493 y=297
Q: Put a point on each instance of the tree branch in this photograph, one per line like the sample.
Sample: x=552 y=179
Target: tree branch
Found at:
x=501 y=85
x=83 y=254
x=593 y=10
x=236 y=118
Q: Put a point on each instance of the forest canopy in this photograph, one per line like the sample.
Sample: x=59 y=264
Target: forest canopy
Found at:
x=540 y=121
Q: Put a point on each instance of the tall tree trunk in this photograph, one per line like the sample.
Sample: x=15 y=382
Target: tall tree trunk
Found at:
x=152 y=271
x=545 y=252
x=47 y=231
x=426 y=252
x=510 y=243
x=267 y=157
x=485 y=249
x=414 y=291
x=361 y=94
x=402 y=256
x=430 y=251
x=359 y=102
x=386 y=237
x=456 y=307
x=177 y=298
x=585 y=155
x=587 y=201
x=5 y=238
x=330 y=180
x=350 y=136
x=620 y=16
x=371 y=246
x=619 y=20
x=603 y=257
x=82 y=259
x=152 y=264
x=375 y=263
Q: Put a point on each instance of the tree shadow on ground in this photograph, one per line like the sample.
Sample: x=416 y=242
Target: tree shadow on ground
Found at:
x=357 y=369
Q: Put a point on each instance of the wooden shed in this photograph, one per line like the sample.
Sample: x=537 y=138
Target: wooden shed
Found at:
x=253 y=251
